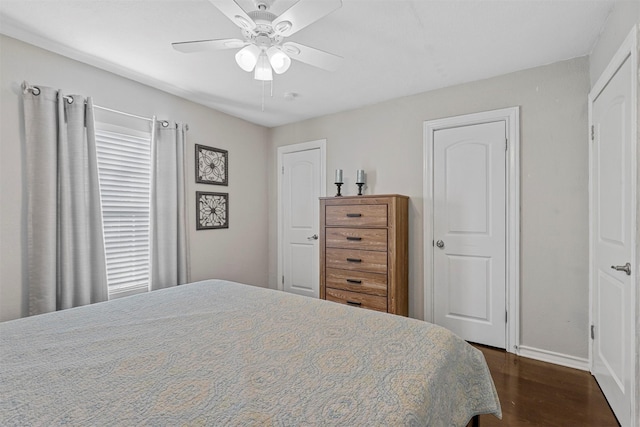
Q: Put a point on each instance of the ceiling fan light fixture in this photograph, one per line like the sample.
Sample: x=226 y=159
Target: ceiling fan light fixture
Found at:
x=263 y=69
x=279 y=60
x=247 y=57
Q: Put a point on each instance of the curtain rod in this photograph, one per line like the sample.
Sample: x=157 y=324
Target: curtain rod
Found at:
x=26 y=87
x=128 y=114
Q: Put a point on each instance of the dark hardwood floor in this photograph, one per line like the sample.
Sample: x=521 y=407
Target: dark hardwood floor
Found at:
x=534 y=393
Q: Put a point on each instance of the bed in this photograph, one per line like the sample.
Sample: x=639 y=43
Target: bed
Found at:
x=222 y=353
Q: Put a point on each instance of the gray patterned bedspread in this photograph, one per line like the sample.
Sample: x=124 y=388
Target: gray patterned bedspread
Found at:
x=221 y=353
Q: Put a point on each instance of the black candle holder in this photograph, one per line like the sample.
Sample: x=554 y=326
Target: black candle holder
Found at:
x=339 y=184
x=359 y=184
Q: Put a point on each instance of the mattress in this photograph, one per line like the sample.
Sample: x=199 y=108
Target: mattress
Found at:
x=222 y=353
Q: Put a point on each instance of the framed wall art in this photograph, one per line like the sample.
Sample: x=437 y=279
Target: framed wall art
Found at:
x=212 y=165
x=212 y=210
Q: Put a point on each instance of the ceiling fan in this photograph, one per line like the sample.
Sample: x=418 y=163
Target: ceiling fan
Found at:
x=263 y=47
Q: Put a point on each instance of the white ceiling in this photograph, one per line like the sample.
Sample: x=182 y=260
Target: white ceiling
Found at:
x=391 y=48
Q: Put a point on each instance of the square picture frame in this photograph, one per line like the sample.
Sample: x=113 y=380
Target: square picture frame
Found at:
x=212 y=210
x=212 y=165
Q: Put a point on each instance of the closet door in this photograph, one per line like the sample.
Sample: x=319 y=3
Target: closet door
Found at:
x=469 y=196
x=613 y=190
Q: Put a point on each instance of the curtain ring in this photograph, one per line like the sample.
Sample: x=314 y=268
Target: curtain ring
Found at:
x=69 y=99
x=165 y=124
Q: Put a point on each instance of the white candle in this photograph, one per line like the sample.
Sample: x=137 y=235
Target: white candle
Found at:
x=338 y=176
x=359 y=176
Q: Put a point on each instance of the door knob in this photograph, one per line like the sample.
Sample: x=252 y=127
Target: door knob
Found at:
x=440 y=244
x=626 y=268
x=314 y=237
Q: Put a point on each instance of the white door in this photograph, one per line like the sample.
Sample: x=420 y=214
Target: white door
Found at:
x=612 y=241
x=300 y=190
x=469 y=196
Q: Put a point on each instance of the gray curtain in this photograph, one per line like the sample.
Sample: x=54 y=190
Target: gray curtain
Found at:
x=65 y=242
x=169 y=239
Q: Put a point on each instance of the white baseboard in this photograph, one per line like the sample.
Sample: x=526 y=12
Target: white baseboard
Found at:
x=553 y=357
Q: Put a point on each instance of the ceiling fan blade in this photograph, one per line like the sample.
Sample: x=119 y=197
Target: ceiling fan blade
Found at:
x=205 y=45
x=309 y=55
x=303 y=13
x=235 y=13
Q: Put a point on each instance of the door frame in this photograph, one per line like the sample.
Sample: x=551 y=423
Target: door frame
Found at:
x=628 y=49
x=320 y=144
x=511 y=117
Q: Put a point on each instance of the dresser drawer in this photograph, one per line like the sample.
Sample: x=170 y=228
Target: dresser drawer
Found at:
x=358 y=300
x=351 y=259
x=356 y=215
x=372 y=239
x=357 y=281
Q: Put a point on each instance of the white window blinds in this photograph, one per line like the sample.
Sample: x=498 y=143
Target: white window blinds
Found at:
x=124 y=167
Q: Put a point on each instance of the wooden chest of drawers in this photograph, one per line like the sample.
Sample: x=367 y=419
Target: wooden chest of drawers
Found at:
x=364 y=251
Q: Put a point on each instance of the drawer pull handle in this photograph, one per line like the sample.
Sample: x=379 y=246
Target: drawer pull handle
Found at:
x=354 y=215
x=358 y=304
x=354 y=260
x=357 y=239
x=354 y=281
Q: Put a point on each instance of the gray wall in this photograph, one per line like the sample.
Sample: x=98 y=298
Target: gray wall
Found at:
x=387 y=141
x=214 y=253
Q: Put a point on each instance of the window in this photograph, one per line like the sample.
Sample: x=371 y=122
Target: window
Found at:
x=124 y=168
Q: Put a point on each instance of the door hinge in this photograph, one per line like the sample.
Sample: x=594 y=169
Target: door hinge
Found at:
x=506 y=316
x=283 y=170
x=283 y=280
x=506 y=145
x=593 y=332
x=593 y=133
x=433 y=243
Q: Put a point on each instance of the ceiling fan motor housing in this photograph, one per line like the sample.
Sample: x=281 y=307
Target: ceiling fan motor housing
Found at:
x=263 y=34
x=262 y=17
